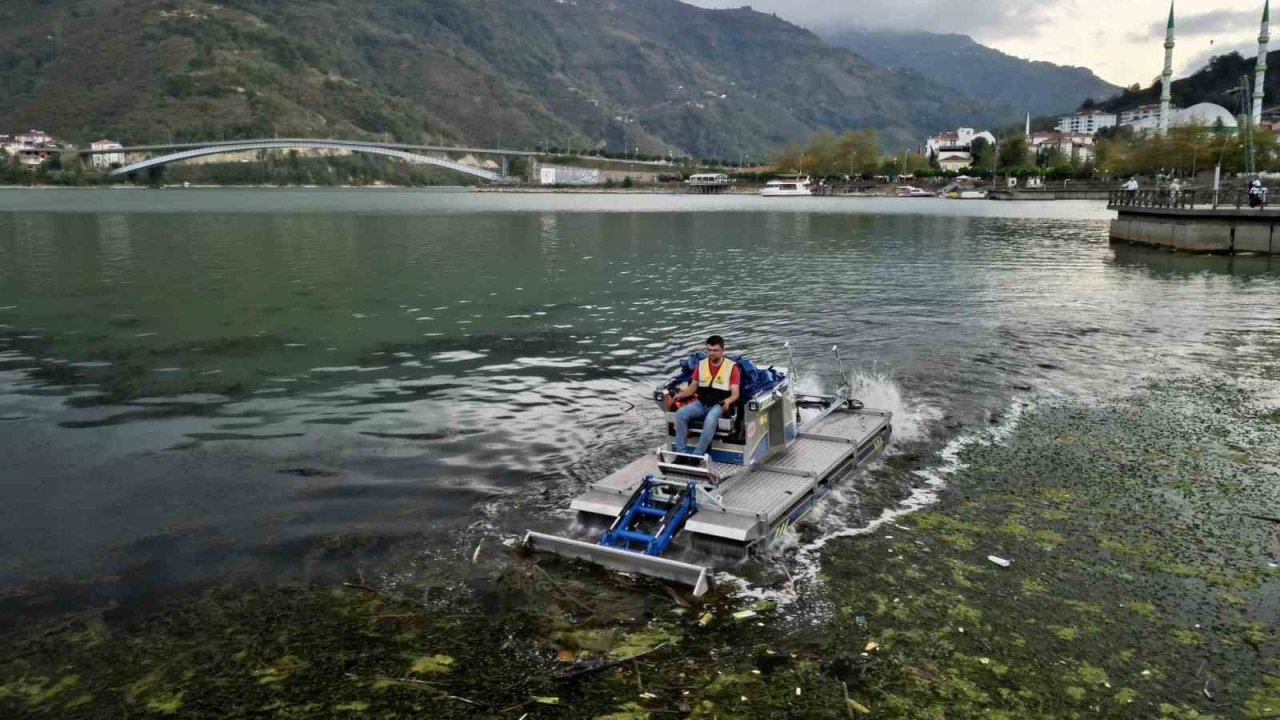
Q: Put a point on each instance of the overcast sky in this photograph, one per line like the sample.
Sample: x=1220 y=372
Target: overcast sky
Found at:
x=1120 y=40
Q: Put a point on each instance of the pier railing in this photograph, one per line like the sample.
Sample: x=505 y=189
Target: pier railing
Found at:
x=1184 y=198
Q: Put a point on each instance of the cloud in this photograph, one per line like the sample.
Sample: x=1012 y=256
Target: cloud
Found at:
x=987 y=18
x=1209 y=23
x=1121 y=41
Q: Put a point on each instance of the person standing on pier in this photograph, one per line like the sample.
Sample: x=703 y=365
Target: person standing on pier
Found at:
x=716 y=382
x=1257 y=195
x=1131 y=189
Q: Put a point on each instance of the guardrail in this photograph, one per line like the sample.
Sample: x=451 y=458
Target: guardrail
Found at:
x=1183 y=198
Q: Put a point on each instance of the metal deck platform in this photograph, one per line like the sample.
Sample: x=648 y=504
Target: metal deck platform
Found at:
x=754 y=499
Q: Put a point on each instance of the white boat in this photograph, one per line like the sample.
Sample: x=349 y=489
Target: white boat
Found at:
x=967 y=195
x=911 y=191
x=786 y=187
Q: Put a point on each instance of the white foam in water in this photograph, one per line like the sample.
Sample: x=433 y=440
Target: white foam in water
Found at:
x=806 y=561
x=458 y=355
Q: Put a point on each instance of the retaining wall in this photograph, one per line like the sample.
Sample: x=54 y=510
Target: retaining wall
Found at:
x=1223 y=231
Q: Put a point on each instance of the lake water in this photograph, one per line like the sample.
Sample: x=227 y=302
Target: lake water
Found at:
x=211 y=386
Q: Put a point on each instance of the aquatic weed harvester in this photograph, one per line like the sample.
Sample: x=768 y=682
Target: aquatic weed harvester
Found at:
x=774 y=455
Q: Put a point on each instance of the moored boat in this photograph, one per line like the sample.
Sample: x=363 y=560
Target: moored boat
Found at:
x=967 y=195
x=911 y=191
x=787 y=187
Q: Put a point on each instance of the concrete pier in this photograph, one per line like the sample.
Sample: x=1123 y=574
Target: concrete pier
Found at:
x=1177 y=223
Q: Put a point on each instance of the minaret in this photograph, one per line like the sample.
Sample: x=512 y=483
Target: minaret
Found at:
x=1166 y=78
x=1260 y=77
x=1027 y=134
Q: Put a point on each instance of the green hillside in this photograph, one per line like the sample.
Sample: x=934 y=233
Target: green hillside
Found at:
x=655 y=74
x=1215 y=83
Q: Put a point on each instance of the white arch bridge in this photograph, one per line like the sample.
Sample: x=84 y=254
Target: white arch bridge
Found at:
x=408 y=153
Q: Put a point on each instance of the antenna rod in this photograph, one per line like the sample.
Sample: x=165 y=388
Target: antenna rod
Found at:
x=840 y=364
x=791 y=369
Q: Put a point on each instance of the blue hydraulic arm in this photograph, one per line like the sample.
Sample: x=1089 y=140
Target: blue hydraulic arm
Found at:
x=671 y=513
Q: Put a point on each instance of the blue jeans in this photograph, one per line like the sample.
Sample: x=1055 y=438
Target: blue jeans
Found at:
x=693 y=411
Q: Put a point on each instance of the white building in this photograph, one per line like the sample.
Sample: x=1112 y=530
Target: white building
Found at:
x=961 y=139
x=105 y=160
x=34 y=138
x=1086 y=122
x=35 y=156
x=1073 y=146
x=1140 y=113
x=561 y=175
x=954 y=150
x=954 y=159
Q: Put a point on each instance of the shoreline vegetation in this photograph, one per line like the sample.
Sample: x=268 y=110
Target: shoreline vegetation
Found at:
x=850 y=157
x=1142 y=582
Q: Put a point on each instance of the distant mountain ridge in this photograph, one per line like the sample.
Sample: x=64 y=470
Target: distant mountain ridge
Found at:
x=977 y=71
x=659 y=75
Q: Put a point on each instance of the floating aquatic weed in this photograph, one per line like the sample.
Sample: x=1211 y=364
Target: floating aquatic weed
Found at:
x=1128 y=529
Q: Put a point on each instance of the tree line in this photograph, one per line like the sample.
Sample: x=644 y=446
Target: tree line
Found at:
x=1185 y=151
x=1116 y=152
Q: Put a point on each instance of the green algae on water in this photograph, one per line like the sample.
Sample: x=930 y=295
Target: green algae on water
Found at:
x=1139 y=588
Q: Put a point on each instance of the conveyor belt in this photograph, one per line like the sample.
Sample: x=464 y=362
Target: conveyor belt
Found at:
x=847 y=424
x=811 y=456
x=766 y=495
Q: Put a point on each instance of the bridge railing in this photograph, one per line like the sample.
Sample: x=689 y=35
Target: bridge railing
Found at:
x=1184 y=198
x=291 y=144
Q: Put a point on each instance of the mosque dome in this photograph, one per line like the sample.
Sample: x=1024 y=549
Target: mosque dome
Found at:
x=1204 y=114
x=1198 y=115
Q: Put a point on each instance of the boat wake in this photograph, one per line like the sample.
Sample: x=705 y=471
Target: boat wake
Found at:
x=802 y=560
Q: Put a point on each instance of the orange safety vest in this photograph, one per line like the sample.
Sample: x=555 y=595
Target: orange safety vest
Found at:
x=714 y=389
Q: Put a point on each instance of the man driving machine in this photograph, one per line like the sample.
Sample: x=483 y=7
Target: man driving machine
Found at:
x=716 y=383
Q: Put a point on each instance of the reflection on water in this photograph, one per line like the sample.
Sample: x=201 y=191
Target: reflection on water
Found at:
x=1171 y=263
x=221 y=384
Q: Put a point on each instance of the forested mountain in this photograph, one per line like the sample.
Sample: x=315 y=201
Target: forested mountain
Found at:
x=657 y=74
x=1217 y=82
x=980 y=72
